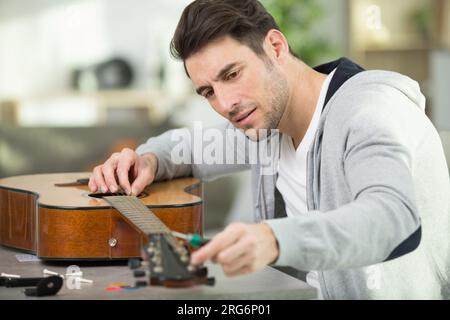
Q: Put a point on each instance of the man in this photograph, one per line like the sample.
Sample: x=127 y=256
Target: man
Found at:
x=361 y=195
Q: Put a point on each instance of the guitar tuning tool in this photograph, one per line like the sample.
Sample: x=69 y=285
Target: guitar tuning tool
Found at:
x=195 y=239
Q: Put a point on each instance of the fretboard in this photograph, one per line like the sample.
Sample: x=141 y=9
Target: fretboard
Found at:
x=139 y=215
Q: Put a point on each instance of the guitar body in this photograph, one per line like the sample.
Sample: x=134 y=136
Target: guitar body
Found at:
x=68 y=223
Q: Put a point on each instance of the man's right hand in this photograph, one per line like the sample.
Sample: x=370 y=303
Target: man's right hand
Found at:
x=126 y=170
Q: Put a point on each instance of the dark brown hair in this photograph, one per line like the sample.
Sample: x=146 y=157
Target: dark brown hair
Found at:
x=203 y=21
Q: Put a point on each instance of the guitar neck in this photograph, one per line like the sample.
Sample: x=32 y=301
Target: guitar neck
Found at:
x=139 y=215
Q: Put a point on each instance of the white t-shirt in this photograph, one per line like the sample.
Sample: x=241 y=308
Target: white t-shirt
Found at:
x=291 y=180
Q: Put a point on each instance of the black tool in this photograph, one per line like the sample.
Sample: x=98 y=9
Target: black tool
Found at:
x=46 y=287
x=10 y=282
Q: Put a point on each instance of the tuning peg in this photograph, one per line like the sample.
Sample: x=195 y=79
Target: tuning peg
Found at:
x=191 y=268
x=139 y=273
x=151 y=251
x=134 y=263
x=158 y=269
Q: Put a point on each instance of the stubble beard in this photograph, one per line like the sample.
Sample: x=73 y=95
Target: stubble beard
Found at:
x=277 y=88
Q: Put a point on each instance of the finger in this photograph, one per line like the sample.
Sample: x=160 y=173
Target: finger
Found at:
x=243 y=247
x=91 y=184
x=109 y=173
x=241 y=262
x=123 y=168
x=99 y=180
x=142 y=180
x=144 y=175
x=224 y=239
x=205 y=253
x=240 y=272
x=134 y=170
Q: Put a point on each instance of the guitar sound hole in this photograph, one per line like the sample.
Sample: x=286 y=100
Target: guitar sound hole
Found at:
x=116 y=194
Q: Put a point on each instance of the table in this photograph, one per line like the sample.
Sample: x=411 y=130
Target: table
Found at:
x=268 y=284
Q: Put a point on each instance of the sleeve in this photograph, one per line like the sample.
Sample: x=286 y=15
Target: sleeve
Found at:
x=205 y=153
x=381 y=222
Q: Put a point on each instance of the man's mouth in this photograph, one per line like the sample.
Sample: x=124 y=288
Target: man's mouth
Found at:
x=240 y=119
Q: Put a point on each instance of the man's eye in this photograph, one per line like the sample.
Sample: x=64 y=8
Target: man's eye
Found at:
x=208 y=93
x=233 y=75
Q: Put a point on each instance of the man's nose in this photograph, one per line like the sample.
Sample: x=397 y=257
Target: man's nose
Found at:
x=228 y=100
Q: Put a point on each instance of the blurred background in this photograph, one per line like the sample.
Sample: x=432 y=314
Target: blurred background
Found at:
x=81 y=79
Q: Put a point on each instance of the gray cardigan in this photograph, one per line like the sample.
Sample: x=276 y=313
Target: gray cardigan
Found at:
x=378 y=194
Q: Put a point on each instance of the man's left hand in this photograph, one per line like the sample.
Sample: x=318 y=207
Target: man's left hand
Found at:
x=240 y=249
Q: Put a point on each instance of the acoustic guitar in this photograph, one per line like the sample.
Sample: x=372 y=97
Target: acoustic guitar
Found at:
x=57 y=218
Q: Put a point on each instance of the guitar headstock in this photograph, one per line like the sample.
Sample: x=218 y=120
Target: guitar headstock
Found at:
x=168 y=264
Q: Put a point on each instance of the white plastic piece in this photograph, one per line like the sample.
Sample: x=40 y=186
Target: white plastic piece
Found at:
x=52 y=273
x=7 y=275
x=82 y=280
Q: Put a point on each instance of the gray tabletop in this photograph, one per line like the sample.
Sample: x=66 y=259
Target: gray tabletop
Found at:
x=268 y=284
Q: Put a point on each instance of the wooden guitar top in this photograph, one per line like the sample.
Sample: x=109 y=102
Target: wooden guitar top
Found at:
x=172 y=193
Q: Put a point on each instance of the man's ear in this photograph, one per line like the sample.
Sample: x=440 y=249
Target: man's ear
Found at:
x=276 y=45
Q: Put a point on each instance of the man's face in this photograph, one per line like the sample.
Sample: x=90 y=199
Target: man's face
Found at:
x=248 y=90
